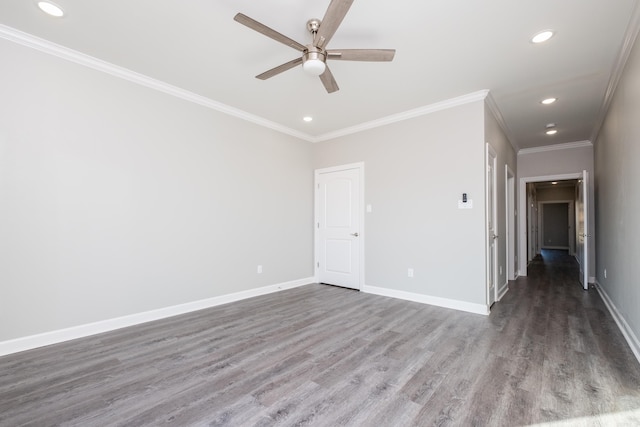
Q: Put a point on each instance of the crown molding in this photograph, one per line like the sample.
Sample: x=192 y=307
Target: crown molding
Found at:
x=410 y=114
x=45 y=46
x=493 y=107
x=555 y=147
x=42 y=45
x=623 y=55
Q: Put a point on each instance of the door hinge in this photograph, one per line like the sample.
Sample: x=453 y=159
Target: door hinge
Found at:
x=318 y=225
x=318 y=264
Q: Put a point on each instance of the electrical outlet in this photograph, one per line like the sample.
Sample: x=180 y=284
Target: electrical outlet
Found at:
x=259 y=269
x=410 y=272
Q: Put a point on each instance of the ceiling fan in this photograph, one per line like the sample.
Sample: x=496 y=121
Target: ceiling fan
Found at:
x=314 y=55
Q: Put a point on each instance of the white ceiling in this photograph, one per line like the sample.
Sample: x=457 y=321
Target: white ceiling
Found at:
x=445 y=49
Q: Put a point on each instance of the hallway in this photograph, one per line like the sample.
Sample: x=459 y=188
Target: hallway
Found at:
x=569 y=349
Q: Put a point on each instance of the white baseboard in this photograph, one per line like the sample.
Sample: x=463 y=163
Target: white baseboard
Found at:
x=80 y=331
x=502 y=290
x=426 y=299
x=624 y=327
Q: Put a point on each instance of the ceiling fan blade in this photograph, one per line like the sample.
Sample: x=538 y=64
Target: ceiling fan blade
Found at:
x=377 y=55
x=263 y=29
x=332 y=18
x=328 y=81
x=279 y=69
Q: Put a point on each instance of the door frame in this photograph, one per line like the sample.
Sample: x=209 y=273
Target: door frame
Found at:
x=316 y=218
x=492 y=253
x=522 y=205
x=583 y=189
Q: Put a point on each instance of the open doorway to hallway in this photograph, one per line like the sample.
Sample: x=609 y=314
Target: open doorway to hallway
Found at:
x=551 y=216
x=555 y=217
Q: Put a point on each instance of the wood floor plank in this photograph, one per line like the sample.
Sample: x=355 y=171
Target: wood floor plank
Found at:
x=324 y=355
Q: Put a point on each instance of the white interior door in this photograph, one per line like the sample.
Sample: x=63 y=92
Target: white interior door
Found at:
x=338 y=223
x=534 y=248
x=582 y=227
x=492 y=232
x=510 y=227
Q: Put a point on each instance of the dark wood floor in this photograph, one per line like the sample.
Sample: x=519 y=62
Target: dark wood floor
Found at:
x=321 y=355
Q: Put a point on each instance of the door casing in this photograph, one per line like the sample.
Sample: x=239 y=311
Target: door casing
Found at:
x=522 y=205
x=492 y=225
x=583 y=235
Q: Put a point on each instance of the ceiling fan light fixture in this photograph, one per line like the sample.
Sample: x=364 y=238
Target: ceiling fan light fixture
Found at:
x=313 y=61
x=315 y=67
x=51 y=9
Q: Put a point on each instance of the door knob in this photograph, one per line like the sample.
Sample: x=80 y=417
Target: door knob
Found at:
x=355 y=234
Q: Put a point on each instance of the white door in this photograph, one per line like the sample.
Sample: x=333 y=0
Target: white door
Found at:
x=338 y=226
x=492 y=236
x=510 y=228
x=534 y=248
x=583 y=229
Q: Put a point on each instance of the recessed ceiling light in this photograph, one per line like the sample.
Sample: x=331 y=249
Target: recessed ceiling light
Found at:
x=549 y=101
x=542 y=36
x=552 y=132
x=51 y=8
x=554 y=182
x=307 y=118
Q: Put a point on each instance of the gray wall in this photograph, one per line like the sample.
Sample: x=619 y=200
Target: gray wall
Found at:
x=415 y=172
x=555 y=225
x=617 y=176
x=117 y=199
x=506 y=156
x=555 y=193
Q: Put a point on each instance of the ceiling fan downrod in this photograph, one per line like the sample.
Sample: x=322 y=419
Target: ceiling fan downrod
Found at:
x=314 y=58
